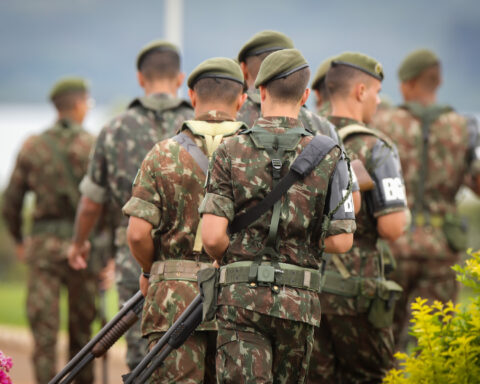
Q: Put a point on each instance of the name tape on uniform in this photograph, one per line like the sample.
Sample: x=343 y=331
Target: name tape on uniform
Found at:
x=393 y=189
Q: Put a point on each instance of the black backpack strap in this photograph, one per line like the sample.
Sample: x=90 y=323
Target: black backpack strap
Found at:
x=186 y=142
x=304 y=164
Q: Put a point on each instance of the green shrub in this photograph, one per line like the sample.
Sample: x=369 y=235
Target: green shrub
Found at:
x=448 y=338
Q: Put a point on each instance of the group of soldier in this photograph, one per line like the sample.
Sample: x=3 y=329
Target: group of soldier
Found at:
x=307 y=289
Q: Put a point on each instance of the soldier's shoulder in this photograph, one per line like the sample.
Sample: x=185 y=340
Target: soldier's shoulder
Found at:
x=453 y=117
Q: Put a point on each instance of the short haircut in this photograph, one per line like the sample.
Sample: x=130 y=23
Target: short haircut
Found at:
x=340 y=79
x=157 y=65
x=66 y=101
x=291 y=88
x=217 y=90
x=253 y=63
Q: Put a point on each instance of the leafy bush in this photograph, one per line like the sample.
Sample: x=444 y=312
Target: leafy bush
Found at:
x=448 y=338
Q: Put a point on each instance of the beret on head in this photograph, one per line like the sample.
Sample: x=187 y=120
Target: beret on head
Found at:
x=68 y=84
x=279 y=65
x=156 y=46
x=217 y=67
x=415 y=63
x=265 y=41
x=321 y=72
x=361 y=62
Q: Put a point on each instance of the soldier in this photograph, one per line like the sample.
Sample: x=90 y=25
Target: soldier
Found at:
x=51 y=165
x=166 y=195
x=318 y=86
x=118 y=153
x=355 y=342
x=437 y=149
x=268 y=301
x=250 y=58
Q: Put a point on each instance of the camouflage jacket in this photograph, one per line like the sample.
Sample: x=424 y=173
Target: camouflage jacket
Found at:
x=124 y=142
x=167 y=193
x=453 y=152
x=363 y=260
x=239 y=178
x=250 y=112
x=51 y=165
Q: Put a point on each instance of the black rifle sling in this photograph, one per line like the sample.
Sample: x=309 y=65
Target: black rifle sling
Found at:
x=192 y=148
x=304 y=164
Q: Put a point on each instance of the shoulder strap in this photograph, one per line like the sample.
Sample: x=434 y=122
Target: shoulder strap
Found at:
x=189 y=145
x=304 y=164
x=71 y=189
x=354 y=129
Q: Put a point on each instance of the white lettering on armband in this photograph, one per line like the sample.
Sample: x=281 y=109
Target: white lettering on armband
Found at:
x=477 y=153
x=393 y=189
x=348 y=205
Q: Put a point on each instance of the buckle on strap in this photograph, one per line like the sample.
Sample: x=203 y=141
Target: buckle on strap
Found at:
x=277 y=164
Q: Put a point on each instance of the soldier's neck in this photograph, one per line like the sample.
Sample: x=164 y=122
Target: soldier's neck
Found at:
x=347 y=110
x=201 y=109
x=272 y=108
x=425 y=99
x=70 y=116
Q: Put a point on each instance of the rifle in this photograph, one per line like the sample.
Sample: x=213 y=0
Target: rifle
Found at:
x=365 y=181
x=176 y=335
x=103 y=340
x=102 y=314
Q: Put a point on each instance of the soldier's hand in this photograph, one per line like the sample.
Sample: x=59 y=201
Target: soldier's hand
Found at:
x=78 y=254
x=20 y=252
x=143 y=282
x=107 y=275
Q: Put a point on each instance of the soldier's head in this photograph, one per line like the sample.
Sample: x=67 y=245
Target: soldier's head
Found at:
x=158 y=68
x=318 y=82
x=353 y=83
x=282 y=80
x=70 y=96
x=257 y=48
x=217 y=84
x=420 y=76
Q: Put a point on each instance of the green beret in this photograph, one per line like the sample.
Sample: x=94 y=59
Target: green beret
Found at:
x=361 y=62
x=68 y=84
x=322 y=72
x=265 y=41
x=415 y=63
x=217 y=67
x=156 y=46
x=279 y=65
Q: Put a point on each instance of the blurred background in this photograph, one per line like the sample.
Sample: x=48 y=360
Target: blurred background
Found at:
x=99 y=39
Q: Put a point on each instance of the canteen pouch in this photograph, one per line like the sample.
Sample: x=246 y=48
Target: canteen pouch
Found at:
x=455 y=229
x=382 y=306
x=208 y=283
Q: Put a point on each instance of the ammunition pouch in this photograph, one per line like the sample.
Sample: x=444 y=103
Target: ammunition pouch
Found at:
x=208 y=284
x=455 y=230
x=185 y=270
x=62 y=228
x=266 y=274
x=373 y=295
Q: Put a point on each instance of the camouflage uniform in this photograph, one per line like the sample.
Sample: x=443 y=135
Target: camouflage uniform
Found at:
x=118 y=153
x=348 y=348
x=423 y=255
x=265 y=336
x=250 y=112
x=51 y=165
x=167 y=193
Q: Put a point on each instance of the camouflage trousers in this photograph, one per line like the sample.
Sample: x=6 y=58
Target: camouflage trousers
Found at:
x=257 y=348
x=44 y=285
x=192 y=363
x=127 y=272
x=429 y=278
x=348 y=349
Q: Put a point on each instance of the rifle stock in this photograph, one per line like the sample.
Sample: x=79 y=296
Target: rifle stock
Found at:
x=365 y=181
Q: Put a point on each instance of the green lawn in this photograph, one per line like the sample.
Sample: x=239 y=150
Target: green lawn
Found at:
x=13 y=312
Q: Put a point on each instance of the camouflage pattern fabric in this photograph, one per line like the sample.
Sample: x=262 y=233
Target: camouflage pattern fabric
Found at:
x=363 y=260
x=192 y=363
x=167 y=193
x=453 y=153
x=255 y=348
x=239 y=177
x=339 y=336
x=40 y=170
x=250 y=112
x=114 y=162
x=325 y=109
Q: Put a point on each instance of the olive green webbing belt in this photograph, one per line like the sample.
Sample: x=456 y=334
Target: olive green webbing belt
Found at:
x=177 y=269
x=334 y=283
x=288 y=275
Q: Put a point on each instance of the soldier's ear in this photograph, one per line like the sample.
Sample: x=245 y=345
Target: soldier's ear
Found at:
x=243 y=66
x=360 y=91
x=193 y=97
x=305 y=96
x=240 y=100
x=263 y=93
x=141 y=79
x=180 y=79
